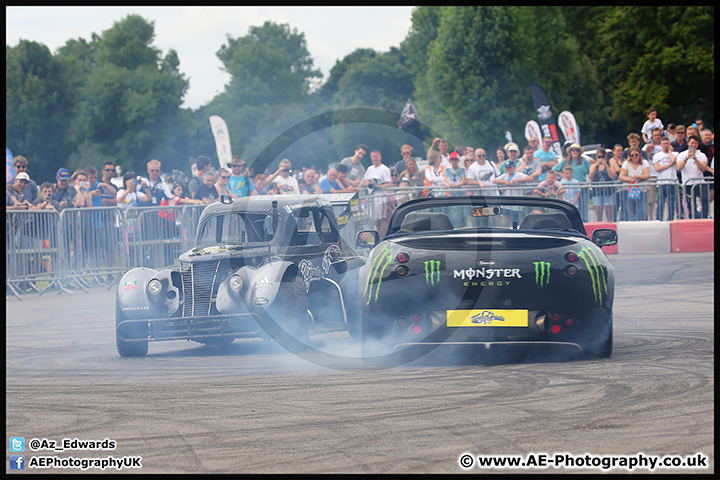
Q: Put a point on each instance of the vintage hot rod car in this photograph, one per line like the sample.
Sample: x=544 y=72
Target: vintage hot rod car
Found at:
x=487 y=272
x=263 y=266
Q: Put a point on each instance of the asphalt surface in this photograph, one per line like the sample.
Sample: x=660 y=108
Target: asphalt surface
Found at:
x=254 y=407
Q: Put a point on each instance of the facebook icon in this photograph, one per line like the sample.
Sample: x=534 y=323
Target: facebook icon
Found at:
x=17 y=462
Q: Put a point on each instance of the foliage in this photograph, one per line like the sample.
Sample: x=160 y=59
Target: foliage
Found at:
x=482 y=59
x=467 y=69
x=38 y=103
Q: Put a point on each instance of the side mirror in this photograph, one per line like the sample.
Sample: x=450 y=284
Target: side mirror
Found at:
x=604 y=237
x=367 y=239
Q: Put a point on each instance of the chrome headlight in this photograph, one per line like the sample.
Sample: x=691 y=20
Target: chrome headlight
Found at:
x=236 y=282
x=154 y=286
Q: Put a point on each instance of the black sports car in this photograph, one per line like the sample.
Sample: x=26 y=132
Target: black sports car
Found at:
x=489 y=273
x=264 y=266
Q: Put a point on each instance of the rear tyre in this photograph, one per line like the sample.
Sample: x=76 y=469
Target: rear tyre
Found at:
x=127 y=332
x=603 y=347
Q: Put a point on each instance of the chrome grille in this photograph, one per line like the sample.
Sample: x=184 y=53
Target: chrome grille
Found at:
x=198 y=282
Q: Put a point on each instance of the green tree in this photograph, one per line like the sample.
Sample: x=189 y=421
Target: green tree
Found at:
x=130 y=105
x=37 y=109
x=271 y=73
x=659 y=56
x=480 y=61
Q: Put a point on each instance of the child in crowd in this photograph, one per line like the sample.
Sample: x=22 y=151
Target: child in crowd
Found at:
x=651 y=123
x=569 y=193
x=550 y=186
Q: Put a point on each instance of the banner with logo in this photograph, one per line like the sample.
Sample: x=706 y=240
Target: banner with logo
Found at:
x=569 y=127
x=408 y=115
x=546 y=119
x=222 y=140
x=532 y=129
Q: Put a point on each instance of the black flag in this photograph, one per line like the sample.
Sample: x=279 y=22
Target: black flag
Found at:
x=408 y=115
x=546 y=119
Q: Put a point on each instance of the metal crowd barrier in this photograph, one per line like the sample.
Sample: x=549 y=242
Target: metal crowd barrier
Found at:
x=92 y=246
x=84 y=246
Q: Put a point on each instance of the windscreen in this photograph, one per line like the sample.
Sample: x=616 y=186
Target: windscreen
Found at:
x=236 y=229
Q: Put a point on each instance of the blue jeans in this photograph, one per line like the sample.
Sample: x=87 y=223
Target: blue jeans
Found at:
x=666 y=193
x=637 y=208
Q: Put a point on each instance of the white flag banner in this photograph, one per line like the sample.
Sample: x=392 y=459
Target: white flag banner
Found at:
x=408 y=115
x=222 y=140
x=532 y=129
x=569 y=127
x=508 y=136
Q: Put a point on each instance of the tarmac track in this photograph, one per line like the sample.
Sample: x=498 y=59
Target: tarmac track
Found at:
x=254 y=407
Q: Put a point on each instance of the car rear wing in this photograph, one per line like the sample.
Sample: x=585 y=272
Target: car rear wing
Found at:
x=344 y=205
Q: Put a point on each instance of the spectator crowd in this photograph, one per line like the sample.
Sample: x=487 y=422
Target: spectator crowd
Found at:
x=637 y=182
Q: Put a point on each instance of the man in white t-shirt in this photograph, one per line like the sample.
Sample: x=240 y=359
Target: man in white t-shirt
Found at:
x=664 y=164
x=691 y=164
x=377 y=180
x=481 y=173
x=281 y=180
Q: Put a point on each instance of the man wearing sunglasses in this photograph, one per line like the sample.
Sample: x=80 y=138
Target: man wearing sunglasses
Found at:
x=240 y=182
x=157 y=187
x=109 y=190
x=30 y=191
x=548 y=158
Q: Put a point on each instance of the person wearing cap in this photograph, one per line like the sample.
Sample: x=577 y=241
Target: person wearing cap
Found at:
x=63 y=192
x=512 y=178
x=240 y=183
x=513 y=152
x=15 y=198
x=20 y=164
x=454 y=177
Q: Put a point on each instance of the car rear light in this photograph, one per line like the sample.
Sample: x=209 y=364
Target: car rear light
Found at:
x=571 y=257
x=402 y=270
x=401 y=322
x=556 y=317
x=416 y=329
x=569 y=322
x=402 y=257
x=415 y=318
x=555 y=328
x=571 y=270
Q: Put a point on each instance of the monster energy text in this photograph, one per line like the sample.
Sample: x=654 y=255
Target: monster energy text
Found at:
x=542 y=273
x=432 y=271
x=597 y=273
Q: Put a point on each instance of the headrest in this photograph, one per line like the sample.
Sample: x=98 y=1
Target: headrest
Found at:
x=545 y=221
x=426 y=221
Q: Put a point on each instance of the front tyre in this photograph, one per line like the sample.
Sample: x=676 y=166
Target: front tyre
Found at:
x=289 y=320
x=133 y=331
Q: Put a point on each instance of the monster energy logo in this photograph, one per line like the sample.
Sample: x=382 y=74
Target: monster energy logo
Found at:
x=432 y=270
x=597 y=273
x=542 y=273
x=377 y=268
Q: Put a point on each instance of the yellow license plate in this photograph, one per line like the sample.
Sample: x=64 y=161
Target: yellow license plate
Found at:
x=487 y=317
